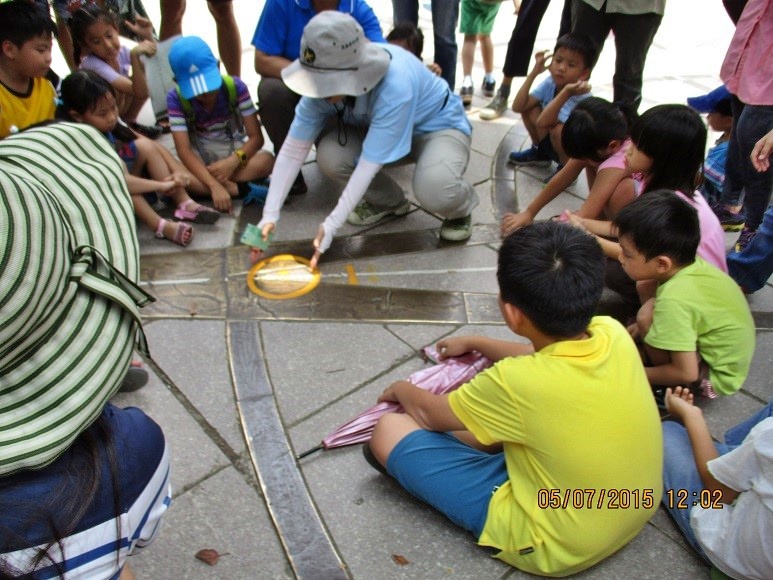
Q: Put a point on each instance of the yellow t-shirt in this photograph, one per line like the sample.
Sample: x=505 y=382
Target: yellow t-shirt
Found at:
x=22 y=110
x=577 y=415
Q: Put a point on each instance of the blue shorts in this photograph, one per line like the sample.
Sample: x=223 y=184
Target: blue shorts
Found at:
x=449 y=475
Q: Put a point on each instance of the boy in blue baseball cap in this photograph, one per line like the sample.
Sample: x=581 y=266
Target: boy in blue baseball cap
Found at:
x=214 y=125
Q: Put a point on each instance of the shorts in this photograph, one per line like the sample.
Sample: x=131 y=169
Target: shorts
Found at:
x=449 y=475
x=478 y=17
x=92 y=549
x=211 y=150
x=128 y=153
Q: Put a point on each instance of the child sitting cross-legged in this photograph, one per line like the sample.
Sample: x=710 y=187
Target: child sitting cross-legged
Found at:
x=534 y=454
x=698 y=328
x=214 y=124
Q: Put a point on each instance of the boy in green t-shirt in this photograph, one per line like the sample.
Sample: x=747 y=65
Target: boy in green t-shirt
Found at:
x=554 y=454
x=698 y=329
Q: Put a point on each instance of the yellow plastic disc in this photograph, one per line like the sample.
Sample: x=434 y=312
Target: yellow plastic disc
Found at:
x=282 y=277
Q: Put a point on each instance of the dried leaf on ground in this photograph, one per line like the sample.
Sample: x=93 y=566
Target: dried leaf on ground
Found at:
x=400 y=560
x=209 y=556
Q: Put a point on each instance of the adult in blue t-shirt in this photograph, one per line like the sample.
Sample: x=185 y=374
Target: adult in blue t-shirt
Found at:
x=390 y=109
x=277 y=42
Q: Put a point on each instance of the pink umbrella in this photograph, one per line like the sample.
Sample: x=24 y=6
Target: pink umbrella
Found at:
x=444 y=377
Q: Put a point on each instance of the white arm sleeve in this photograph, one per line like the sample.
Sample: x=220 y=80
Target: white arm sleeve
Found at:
x=288 y=164
x=356 y=187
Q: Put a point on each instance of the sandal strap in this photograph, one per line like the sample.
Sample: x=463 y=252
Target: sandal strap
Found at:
x=160 y=229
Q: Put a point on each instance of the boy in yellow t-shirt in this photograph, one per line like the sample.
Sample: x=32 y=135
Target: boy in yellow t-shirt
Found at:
x=26 y=37
x=554 y=454
x=698 y=329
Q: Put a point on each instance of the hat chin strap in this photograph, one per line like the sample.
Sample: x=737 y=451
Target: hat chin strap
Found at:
x=116 y=287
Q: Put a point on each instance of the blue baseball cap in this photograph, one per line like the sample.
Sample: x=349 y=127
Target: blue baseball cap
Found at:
x=708 y=103
x=196 y=70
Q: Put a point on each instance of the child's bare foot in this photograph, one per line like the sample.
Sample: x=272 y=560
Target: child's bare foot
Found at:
x=679 y=401
x=178 y=232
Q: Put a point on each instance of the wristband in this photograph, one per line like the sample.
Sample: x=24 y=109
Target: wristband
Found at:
x=242 y=156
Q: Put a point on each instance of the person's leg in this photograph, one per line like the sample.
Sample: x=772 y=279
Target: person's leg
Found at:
x=518 y=58
x=732 y=188
x=439 y=469
x=172 y=12
x=754 y=123
x=680 y=476
x=405 y=11
x=338 y=161
x=529 y=119
x=468 y=55
x=229 y=41
x=752 y=267
x=633 y=36
x=487 y=53
x=445 y=14
x=276 y=107
x=555 y=141
x=438 y=180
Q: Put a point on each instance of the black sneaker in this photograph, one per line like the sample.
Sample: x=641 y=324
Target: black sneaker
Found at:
x=730 y=221
x=488 y=87
x=466 y=94
x=299 y=186
x=530 y=156
x=746 y=237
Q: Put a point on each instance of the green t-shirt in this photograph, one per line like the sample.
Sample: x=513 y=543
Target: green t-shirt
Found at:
x=577 y=417
x=702 y=309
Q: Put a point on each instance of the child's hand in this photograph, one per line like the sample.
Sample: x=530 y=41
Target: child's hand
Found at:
x=166 y=185
x=180 y=178
x=220 y=198
x=143 y=28
x=574 y=220
x=223 y=169
x=513 y=221
x=679 y=402
x=634 y=331
x=762 y=152
x=317 y=243
x=541 y=61
x=390 y=394
x=435 y=69
x=449 y=347
x=146 y=47
x=578 y=88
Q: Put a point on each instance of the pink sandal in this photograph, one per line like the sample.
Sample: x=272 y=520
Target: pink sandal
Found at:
x=200 y=215
x=179 y=233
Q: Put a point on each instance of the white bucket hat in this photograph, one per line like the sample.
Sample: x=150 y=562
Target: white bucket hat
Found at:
x=68 y=301
x=336 y=59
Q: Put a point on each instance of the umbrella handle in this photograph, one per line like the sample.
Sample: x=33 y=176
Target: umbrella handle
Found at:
x=308 y=452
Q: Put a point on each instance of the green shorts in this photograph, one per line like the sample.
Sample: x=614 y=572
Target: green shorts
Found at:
x=478 y=17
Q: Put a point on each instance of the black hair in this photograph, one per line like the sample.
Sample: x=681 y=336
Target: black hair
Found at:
x=582 y=45
x=554 y=273
x=21 y=21
x=81 y=92
x=723 y=107
x=674 y=136
x=591 y=126
x=79 y=24
x=410 y=34
x=92 y=453
x=661 y=224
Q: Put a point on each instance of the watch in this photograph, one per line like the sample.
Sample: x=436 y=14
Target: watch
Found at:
x=242 y=156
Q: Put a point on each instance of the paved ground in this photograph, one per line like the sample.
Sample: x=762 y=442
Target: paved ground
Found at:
x=241 y=384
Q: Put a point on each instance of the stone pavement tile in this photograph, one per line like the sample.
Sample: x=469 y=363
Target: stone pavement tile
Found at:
x=372 y=519
x=420 y=335
x=223 y=513
x=484 y=213
x=527 y=187
x=761 y=304
x=194 y=355
x=758 y=382
x=725 y=412
x=194 y=456
x=463 y=268
x=217 y=235
x=185 y=284
x=327 y=418
x=486 y=136
x=313 y=364
x=482 y=309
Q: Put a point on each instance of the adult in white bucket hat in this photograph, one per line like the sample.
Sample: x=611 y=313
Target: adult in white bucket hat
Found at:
x=83 y=484
x=390 y=109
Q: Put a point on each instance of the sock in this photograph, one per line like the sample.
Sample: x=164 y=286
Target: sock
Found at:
x=488 y=78
x=467 y=82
